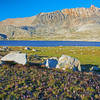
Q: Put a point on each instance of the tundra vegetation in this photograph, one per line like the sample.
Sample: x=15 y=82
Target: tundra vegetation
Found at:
x=18 y=82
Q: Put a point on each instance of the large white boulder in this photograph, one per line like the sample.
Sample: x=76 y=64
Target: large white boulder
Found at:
x=51 y=62
x=20 y=58
x=67 y=62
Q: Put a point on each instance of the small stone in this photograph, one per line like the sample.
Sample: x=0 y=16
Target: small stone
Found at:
x=27 y=48
x=34 y=50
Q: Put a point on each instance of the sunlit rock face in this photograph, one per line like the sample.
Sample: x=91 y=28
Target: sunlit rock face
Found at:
x=17 y=57
x=67 y=24
x=68 y=62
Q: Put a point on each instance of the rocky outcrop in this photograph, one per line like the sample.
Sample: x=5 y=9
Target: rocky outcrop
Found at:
x=82 y=12
x=67 y=24
x=51 y=18
x=64 y=62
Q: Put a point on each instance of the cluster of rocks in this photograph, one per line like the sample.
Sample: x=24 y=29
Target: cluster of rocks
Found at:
x=4 y=48
x=28 y=48
x=64 y=62
x=67 y=62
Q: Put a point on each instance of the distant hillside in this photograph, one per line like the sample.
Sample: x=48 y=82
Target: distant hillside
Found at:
x=81 y=24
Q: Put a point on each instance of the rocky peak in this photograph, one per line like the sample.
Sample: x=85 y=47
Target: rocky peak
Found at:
x=93 y=7
x=56 y=17
x=82 y=12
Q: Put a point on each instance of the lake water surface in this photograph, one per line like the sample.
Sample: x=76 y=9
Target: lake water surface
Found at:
x=47 y=43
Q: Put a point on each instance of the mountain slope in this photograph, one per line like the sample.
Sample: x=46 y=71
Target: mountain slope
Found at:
x=81 y=24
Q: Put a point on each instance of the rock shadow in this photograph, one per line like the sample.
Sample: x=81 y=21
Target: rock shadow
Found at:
x=3 y=36
x=90 y=68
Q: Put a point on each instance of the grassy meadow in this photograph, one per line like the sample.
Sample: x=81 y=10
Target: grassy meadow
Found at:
x=86 y=55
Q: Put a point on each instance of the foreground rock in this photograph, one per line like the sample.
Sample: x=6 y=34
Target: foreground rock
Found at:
x=67 y=62
x=51 y=62
x=64 y=62
x=20 y=58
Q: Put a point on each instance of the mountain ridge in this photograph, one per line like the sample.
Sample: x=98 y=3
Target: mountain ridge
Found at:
x=58 y=25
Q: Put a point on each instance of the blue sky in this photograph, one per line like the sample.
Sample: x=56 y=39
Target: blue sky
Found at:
x=26 y=8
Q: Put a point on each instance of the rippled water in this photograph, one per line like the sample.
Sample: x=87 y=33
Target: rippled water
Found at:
x=47 y=43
